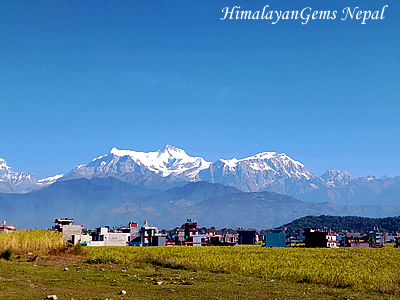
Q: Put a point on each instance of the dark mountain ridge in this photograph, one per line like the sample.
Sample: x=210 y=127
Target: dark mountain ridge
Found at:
x=109 y=201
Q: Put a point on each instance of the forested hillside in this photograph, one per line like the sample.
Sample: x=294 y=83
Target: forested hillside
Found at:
x=337 y=224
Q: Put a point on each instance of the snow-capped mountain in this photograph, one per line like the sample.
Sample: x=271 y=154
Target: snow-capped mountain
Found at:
x=336 y=178
x=171 y=166
x=15 y=182
x=21 y=182
x=168 y=163
x=263 y=171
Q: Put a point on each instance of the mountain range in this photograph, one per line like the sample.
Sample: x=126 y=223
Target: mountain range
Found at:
x=108 y=201
x=173 y=167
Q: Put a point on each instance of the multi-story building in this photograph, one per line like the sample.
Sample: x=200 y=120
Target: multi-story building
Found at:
x=315 y=238
x=67 y=227
x=247 y=237
x=6 y=228
x=355 y=240
x=397 y=241
x=275 y=238
x=147 y=234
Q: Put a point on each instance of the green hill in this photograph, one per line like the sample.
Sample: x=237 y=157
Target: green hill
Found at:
x=338 y=224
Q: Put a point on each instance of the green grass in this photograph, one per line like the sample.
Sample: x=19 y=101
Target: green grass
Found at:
x=36 y=280
x=367 y=270
x=203 y=273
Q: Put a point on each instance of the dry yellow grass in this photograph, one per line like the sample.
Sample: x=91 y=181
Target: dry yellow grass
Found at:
x=35 y=241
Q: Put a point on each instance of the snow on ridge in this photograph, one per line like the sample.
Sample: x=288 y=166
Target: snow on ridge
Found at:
x=262 y=155
x=100 y=157
x=9 y=174
x=230 y=163
x=170 y=151
x=50 y=179
x=164 y=154
x=336 y=177
x=166 y=161
x=271 y=161
x=336 y=173
x=121 y=153
x=170 y=160
x=282 y=157
x=3 y=164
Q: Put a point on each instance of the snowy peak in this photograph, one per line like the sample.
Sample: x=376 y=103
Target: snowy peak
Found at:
x=165 y=162
x=170 y=165
x=7 y=174
x=166 y=150
x=336 y=178
x=4 y=167
x=171 y=151
x=117 y=152
x=284 y=164
x=264 y=155
x=21 y=182
x=368 y=178
x=165 y=154
x=15 y=182
x=170 y=154
x=270 y=162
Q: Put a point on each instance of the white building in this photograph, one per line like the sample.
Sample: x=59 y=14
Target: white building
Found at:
x=331 y=240
x=6 y=228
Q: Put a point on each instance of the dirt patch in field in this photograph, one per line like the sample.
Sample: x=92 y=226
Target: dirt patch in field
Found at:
x=59 y=261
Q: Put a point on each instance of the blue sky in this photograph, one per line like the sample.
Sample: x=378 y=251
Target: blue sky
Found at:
x=80 y=77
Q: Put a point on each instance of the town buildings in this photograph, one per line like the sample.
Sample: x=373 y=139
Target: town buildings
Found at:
x=67 y=227
x=316 y=238
x=248 y=237
x=190 y=235
x=397 y=241
x=6 y=228
x=355 y=240
x=275 y=238
x=377 y=238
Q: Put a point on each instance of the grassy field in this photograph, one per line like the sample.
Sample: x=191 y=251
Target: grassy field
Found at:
x=368 y=270
x=33 y=241
x=20 y=280
x=242 y=272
